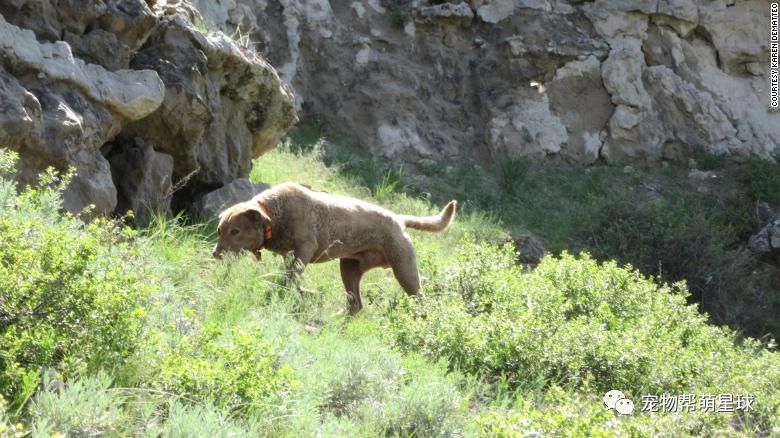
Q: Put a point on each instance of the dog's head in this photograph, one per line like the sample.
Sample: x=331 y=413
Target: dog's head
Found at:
x=243 y=226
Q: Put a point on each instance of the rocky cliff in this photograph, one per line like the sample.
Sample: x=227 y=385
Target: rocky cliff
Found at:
x=493 y=79
x=148 y=107
x=156 y=101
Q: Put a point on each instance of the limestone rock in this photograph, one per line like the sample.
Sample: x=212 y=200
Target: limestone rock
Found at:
x=239 y=190
x=131 y=94
x=400 y=140
x=531 y=130
x=60 y=111
x=768 y=238
x=581 y=78
x=20 y=112
x=496 y=10
x=231 y=14
x=737 y=32
x=530 y=250
x=230 y=107
x=442 y=81
x=613 y=79
x=80 y=81
x=104 y=33
x=542 y=5
x=689 y=115
x=457 y=12
x=620 y=79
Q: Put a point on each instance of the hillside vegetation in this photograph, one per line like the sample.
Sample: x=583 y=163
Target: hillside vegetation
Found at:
x=109 y=331
x=680 y=221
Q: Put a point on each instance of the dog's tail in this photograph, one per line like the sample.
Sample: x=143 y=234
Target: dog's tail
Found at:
x=434 y=224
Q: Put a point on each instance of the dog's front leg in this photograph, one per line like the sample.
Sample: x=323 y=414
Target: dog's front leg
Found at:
x=301 y=257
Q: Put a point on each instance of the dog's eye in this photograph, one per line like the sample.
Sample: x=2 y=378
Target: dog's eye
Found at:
x=234 y=231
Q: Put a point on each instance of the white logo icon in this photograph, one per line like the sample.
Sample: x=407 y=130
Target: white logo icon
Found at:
x=612 y=397
x=617 y=400
x=624 y=406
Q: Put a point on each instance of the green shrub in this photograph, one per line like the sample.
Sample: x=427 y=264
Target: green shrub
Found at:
x=426 y=406
x=561 y=418
x=761 y=178
x=355 y=384
x=696 y=239
x=396 y=397
x=512 y=175
x=71 y=294
x=7 y=428
x=575 y=323
x=186 y=420
x=233 y=368
x=86 y=407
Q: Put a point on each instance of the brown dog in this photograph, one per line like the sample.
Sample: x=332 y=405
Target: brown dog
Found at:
x=317 y=227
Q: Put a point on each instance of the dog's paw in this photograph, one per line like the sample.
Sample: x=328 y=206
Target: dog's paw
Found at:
x=307 y=291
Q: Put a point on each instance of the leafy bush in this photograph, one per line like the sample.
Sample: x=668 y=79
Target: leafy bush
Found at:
x=761 y=178
x=697 y=239
x=86 y=407
x=377 y=391
x=187 y=420
x=7 y=428
x=355 y=384
x=71 y=294
x=231 y=368
x=575 y=323
x=429 y=406
x=562 y=418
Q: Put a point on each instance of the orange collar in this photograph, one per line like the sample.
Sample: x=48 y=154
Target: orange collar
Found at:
x=267 y=233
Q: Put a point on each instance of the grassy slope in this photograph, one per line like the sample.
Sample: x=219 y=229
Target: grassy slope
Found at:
x=670 y=222
x=349 y=378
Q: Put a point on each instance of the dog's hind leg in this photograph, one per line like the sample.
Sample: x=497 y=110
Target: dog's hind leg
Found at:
x=402 y=258
x=350 y=275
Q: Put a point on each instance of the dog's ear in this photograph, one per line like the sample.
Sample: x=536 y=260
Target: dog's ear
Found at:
x=257 y=215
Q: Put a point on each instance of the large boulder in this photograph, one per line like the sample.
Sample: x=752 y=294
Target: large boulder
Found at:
x=529 y=249
x=81 y=82
x=496 y=10
x=106 y=33
x=768 y=237
x=228 y=108
x=59 y=111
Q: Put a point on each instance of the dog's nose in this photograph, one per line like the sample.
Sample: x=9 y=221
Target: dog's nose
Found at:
x=217 y=252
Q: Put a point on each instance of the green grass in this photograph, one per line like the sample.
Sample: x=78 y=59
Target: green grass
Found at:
x=491 y=349
x=201 y=26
